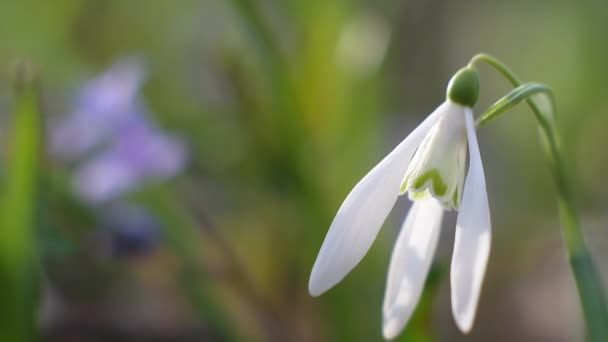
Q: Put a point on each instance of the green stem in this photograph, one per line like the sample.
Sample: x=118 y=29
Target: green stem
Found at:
x=589 y=285
x=276 y=68
x=20 y=206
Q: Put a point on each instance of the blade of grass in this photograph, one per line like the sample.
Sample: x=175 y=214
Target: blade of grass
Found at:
x=19 y=210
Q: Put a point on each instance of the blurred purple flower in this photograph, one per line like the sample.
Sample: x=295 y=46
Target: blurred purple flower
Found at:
x=100 y=107
x=109 y=122
x=139 y=154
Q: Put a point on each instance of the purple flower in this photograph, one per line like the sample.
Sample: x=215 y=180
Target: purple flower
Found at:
x=100 y=107
x=110 y=133
x=139 y=154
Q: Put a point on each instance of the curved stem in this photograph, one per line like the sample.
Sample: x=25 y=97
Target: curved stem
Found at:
x=510 y=76
x=589 y=285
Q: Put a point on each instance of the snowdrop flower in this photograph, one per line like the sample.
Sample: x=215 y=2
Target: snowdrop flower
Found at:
x=429 y=165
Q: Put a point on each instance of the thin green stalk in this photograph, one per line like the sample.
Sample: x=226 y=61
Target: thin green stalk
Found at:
x=290 y=159
x=589 y=285
x=18 y=271
x=276 y=68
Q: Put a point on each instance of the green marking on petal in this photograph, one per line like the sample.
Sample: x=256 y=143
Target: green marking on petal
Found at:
x=418 y=195
x=403 y=187
x=438 y=185
x=455 y=198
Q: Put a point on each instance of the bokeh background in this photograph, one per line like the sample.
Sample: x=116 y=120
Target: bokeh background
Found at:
x=195 y=152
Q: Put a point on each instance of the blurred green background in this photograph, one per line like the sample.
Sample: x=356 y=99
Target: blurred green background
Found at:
x=283 y=106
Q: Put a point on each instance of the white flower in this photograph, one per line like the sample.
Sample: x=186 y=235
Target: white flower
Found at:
x=429 y=165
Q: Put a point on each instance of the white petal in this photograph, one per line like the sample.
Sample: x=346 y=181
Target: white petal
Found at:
x=410 y=264
x=364 y=210
x=472 y=242
x=439 y=163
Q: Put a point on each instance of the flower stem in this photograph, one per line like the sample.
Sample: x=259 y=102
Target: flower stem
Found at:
x=589 y=285
x=19 y=204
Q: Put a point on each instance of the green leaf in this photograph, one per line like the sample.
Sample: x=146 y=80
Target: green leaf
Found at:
x=19 y=211
x=514 y=97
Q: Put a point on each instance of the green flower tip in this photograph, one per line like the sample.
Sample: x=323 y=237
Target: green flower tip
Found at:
x=464 y=87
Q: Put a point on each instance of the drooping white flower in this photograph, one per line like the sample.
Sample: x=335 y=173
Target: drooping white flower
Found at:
x=429 y=165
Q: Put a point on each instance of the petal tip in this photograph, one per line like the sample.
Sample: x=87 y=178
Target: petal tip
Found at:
x=464 y=317
x=315 y=290
x=464 y=322
x=317 y=285
x=390 y=329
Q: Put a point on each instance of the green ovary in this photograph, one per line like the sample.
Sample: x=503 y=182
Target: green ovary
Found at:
x=438 y=185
